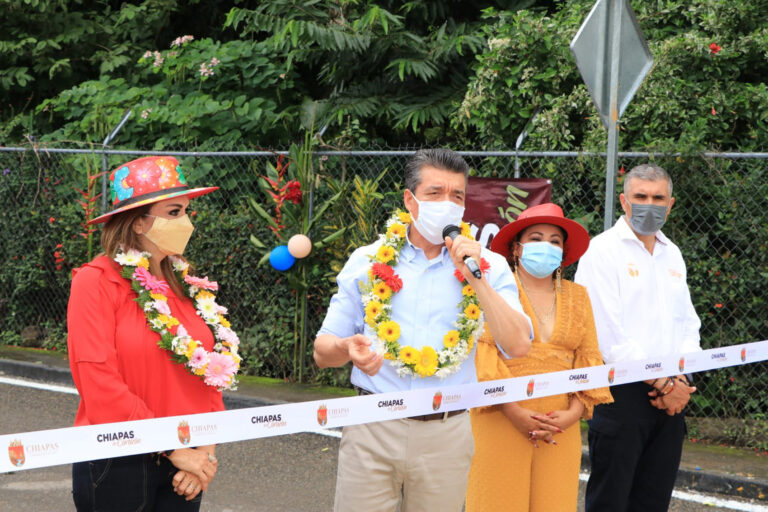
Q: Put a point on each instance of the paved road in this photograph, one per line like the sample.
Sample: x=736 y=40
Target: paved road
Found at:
x=288 y=473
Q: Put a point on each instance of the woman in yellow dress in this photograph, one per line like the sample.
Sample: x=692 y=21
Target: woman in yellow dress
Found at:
x=528 y=454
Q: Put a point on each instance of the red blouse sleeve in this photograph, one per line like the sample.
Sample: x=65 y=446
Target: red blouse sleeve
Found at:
x=104 y=395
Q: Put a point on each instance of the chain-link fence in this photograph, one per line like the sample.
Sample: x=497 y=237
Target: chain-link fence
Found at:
x=720 y=221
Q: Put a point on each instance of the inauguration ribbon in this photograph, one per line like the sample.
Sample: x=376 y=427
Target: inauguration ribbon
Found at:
x=30 y=450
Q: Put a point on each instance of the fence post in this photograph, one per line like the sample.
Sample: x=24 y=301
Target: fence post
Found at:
x=104 y=176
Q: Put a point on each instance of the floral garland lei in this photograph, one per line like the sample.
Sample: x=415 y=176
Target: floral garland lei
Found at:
x=218 y=367
x=377 y=295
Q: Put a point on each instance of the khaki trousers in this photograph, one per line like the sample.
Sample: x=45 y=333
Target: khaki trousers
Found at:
x=423 y=463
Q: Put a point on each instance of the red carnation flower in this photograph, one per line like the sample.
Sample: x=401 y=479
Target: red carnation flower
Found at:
x=484 y=266
x=382 y=270
x=395 y=283
x=714 y=48
x=459 y=275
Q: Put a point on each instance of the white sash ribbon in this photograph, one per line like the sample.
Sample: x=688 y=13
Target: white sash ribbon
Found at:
x=44 y=448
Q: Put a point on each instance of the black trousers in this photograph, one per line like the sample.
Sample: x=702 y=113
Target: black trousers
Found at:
x=133 y=483
x=634 y=453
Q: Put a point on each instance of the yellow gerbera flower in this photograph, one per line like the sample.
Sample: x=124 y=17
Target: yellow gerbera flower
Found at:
x=191 y=349
x=451 y=338
x=223 y=321
x=370 y=321
x=373 y=308
x=466 y=231
x=472 y=311
x=409 y=355
x=427 y=363
x=397 y=230
x=201 y=370
x=389 y=331
x=470 y=344
x=143 y=263
x=468 y=291
x=382 y=291
x=404 y=217
x=169 y=321
x=389 y=356
x=158 y=296
x=204 y=294
x=385 y=254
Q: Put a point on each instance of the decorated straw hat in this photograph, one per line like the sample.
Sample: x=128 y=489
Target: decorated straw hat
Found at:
x=576 y=240
x=145 y=181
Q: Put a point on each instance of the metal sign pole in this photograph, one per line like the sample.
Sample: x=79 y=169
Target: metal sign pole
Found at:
x=613 y=58
x=613 y=126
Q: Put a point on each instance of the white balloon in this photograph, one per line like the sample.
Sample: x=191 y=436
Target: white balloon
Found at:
x=299 y=246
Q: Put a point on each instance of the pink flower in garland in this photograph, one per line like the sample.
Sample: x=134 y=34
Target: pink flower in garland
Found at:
x=220 y=370
x=150 y=282
x=201 y=282
x=199 y=358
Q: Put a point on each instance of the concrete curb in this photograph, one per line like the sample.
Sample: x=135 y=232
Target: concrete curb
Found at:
x=710 y=482
x=702 y=481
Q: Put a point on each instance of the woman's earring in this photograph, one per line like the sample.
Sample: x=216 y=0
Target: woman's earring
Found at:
x=559 y=279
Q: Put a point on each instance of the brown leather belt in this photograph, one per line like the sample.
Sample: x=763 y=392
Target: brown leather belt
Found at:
x=425 y=417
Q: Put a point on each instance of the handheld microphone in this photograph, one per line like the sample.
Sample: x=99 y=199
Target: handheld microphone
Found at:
x=452 y=232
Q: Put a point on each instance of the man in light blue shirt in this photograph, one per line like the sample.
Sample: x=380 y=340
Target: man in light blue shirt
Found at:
x=422 y=461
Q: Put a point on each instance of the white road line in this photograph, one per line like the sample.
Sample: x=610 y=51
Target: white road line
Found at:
x=38 y=385
x=326 y=432
x=707 y=500
x=680 y=495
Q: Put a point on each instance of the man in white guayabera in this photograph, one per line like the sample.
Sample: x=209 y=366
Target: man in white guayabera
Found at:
x=636 y=280
x=407 y=313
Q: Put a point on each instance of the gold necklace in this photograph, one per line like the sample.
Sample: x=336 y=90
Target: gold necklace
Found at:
x=542 y=320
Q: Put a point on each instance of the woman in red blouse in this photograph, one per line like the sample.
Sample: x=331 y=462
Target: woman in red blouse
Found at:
x=164 y=351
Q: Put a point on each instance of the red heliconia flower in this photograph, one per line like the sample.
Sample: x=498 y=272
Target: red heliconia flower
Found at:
x=293 y=192
x=714 y=48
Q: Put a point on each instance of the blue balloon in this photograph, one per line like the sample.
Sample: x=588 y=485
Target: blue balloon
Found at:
x=280 y=258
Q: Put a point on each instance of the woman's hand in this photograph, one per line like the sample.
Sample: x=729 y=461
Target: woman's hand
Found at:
x=198 y=461
x=559 y=419
x=524 y=420
x=186 y=484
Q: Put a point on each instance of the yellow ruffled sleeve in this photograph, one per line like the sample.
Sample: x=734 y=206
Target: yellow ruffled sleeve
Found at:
x=489 y=363
x=588 y=354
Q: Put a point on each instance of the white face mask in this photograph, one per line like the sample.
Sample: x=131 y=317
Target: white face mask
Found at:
x=434 y=216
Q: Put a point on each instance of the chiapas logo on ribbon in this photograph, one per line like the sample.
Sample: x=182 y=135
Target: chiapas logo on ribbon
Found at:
x=322 y=415
x=16 y=453
x=183 y=431
x=437 y=400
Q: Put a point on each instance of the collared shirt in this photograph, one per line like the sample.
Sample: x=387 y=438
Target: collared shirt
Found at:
x=640 y=300
x=426 y=309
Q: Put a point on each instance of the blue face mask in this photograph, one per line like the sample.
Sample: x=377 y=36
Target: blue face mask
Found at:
x=540 y=259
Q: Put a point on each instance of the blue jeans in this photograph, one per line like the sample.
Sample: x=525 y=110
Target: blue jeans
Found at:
x=134 y=483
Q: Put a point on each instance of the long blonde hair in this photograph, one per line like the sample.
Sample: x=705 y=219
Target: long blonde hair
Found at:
x=118 y=234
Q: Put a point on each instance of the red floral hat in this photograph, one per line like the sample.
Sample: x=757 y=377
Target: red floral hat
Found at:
x=145 y=181
x=576 y=241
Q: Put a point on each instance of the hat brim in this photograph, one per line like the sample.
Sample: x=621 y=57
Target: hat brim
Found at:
x=576 y=242
x=191 y=193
